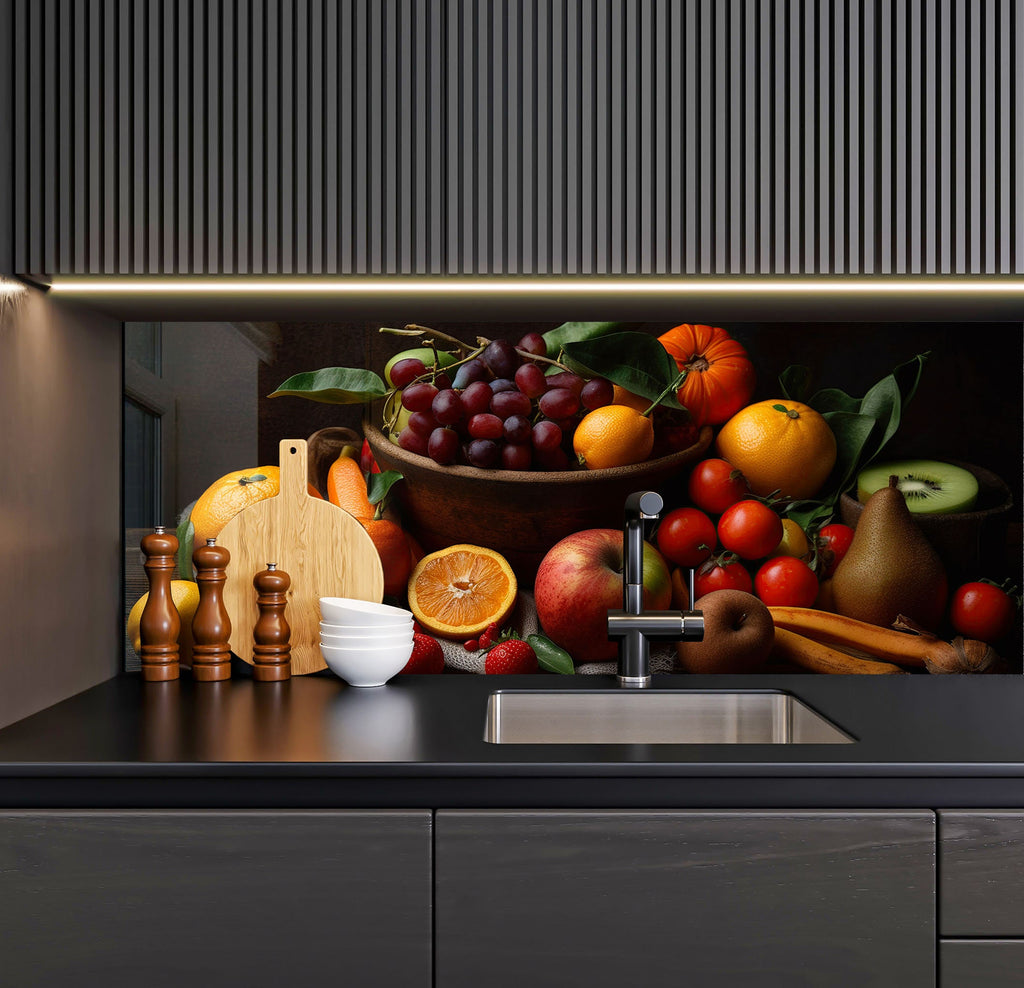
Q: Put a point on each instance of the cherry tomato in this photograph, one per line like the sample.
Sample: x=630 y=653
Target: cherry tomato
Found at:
x=686 y=536
x=982 y=611
x=786 y=581
x=750 y=529
x=834 y=540
x=716 y=485
x=724 y=572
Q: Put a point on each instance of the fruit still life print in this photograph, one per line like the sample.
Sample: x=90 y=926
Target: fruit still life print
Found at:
x=491 y=474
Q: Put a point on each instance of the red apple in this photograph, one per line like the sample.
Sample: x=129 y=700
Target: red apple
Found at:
x=580 y=580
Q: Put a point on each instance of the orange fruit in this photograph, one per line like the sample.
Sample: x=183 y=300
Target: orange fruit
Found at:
x=224 y=498
x=346 y=487
x=620 y=396
x=395 y=554
x=457 y=592
x=779 y=445
x=613 y=436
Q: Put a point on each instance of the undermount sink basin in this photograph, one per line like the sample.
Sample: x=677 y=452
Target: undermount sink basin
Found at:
x=655 y=717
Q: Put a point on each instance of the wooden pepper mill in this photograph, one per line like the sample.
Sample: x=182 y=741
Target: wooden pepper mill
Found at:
x=211 y=626
x=271 y=650
x=160 y=623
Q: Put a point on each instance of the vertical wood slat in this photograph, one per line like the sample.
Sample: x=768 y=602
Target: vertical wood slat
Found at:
x=518 y=136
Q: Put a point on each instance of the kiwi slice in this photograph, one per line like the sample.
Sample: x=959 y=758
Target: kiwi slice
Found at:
x=929 y=487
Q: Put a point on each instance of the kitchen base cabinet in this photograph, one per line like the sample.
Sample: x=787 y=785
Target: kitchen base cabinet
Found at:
x=607 y=898
x=167 y=899
x=981 y=869
x=981 y=963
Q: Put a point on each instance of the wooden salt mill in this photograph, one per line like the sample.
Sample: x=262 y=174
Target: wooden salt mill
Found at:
x=160 y=623
x=211 y=626
x=271 y=650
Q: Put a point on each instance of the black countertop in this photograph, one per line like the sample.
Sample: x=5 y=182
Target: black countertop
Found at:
x=921 y=741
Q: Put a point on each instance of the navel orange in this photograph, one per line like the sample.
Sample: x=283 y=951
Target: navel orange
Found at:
x=457 y=592
x=779 y=445
x=224 y=498
x=613 y=436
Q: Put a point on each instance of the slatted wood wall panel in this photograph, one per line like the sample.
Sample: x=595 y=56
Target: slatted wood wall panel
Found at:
x=519 y=136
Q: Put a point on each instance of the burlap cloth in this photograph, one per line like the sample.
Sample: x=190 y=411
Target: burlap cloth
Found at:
x=524 y=621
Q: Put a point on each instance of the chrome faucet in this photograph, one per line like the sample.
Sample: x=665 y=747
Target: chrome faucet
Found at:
x=632 y=626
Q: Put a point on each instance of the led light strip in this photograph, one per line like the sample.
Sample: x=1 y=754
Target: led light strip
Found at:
x=554 y=285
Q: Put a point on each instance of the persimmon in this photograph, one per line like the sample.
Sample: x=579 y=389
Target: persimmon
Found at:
x=720 y=377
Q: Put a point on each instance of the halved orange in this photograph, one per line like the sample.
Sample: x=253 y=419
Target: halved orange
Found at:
x=457 y=592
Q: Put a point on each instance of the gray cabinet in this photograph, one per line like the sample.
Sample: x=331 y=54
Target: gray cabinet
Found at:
x=172 y=898
x=531 y=137
x=702 y=898
x=981 y=895
x=981 y=963
x=981 y=863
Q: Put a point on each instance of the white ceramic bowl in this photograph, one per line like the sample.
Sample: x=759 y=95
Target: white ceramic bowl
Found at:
x=346 y=610
x=361 y=666
x=371 y=631
x=363 y=641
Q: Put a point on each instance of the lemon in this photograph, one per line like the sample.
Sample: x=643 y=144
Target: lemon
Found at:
x=185 y=595
x=794 y=540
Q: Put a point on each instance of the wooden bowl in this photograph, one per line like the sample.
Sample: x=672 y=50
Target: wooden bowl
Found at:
x=971 y=544
x=519 y=513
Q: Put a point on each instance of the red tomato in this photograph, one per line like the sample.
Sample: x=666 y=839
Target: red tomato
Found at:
x=716 y=485
x=750 y=529
x=686 y=536
x=720 y=377
x=786 y=581
x=835 y=540
x=723 y=572
x=982 y=611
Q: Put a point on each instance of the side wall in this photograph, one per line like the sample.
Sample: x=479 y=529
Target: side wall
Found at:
x=60 y=502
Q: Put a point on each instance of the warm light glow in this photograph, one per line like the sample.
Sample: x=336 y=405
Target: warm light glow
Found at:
x=555 y=285
x=8 y=287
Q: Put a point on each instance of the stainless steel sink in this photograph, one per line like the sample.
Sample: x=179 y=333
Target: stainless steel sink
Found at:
x=655 y=717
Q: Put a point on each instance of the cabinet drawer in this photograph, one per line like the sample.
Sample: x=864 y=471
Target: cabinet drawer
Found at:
x=981 y=873
x=166 y=899
x=981 y=963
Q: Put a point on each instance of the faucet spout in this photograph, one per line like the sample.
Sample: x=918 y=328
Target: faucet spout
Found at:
x=641 y=506
x=632 y=626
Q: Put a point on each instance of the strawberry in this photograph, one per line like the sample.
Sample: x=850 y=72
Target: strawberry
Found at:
x=471 y=645
x=485 y=640
x=426 y=655
x=510 y=656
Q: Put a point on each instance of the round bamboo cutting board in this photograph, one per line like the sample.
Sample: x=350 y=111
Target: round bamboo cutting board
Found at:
x=324 y=550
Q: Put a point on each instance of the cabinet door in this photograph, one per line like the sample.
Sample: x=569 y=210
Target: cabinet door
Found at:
x=981 y=856
x=170 y=899
x=311 y=137
x=697 y=898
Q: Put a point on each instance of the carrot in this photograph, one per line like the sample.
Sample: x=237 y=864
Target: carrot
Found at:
x=817 y=657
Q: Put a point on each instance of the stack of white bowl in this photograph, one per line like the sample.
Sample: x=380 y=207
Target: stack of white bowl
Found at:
x=362 y=642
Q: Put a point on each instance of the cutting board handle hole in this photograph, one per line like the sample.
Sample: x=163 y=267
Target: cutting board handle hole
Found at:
x=293 y=450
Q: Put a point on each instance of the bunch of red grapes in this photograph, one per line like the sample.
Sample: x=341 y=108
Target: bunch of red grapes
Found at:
x=499 y=411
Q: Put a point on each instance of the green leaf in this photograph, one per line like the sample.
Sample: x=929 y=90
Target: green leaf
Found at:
x=833 y=400
x=550 y=656
x=334 y=386
x=852 y=432
x=574 y=332
x=795 y=382
x=186 y=539
x=636 y=361
x=379 y=485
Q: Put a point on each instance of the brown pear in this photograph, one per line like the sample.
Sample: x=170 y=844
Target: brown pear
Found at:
x=890 y=567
